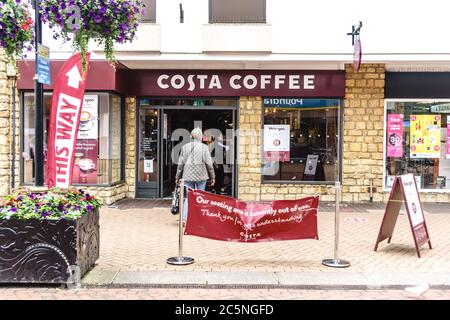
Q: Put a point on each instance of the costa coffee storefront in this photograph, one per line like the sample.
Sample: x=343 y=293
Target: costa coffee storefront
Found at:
x=273 y=134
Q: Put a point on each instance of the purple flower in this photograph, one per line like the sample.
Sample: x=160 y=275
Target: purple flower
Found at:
x=89 y=208
x=77 y=208
x=54 y=9
x=13 y=209
x=44 y=214
x=88 y=196
x=19 y=198
x=98 y=19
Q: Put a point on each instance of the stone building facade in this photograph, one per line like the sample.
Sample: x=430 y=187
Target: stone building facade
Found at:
x=363 y=133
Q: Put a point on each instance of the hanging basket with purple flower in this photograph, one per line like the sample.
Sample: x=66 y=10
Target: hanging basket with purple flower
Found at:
x=104 y=21
x=16 y=28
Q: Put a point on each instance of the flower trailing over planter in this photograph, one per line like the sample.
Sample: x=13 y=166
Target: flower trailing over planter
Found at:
x=16 y=28
x=105 y=21
x=50 y=205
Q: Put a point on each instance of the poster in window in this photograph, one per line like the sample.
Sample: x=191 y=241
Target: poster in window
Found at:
x=447 y=152
x=277 y=142
x=88 y=128
x=86 y=162
x=440 y=182
x=425 y=141
x=311 y=164
x=390 y=181
x=395 y=135
x=148 y=166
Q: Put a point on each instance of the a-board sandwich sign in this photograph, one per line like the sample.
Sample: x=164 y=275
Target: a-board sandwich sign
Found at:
x=404 y=190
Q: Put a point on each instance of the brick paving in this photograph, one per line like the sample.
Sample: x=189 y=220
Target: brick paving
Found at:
x=212 y=294
x=142 y=240
x=139 y=236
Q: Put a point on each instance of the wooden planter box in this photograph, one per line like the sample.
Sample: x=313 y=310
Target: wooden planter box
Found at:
x=48 y=251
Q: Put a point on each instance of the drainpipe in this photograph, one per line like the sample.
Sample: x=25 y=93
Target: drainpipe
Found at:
x=371 y=189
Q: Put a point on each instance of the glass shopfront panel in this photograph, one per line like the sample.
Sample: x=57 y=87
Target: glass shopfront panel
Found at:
x=98 y=145
x=301 y=140
x=418 y=142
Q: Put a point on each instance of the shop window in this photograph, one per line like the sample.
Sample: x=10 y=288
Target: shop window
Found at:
x=418 y=142
x=149 y=11
x=98 y=147
x=237 y=11
x=301 y=140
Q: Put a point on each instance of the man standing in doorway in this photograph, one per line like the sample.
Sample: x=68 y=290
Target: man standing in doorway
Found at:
x=195 y=165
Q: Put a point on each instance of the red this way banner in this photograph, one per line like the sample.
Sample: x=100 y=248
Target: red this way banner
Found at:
x=223 y=218
x=67 y=100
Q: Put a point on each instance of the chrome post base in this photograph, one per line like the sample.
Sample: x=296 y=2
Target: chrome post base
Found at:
x=180 y=261
x=336 y=263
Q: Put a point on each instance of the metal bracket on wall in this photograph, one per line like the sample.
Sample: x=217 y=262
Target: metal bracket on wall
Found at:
x=355 y=32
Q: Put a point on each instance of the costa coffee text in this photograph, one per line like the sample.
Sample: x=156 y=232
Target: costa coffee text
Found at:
x=192 y=82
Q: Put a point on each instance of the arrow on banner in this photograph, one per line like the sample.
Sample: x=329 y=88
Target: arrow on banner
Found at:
x=74 y=77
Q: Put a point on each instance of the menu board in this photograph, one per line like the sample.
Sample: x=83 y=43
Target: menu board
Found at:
x=277 y=142
x=425 y=136
x=404 y=191
x=412 y=201
x=88 y=128
x=86 y=149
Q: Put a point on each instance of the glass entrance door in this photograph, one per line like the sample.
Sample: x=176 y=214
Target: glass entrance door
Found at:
x=159 y=140
x=147 y=162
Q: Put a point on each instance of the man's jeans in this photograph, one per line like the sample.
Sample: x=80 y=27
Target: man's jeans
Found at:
x=200 y=185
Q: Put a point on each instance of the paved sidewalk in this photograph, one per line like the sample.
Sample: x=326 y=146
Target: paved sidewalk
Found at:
x=135 y=243
x=213 y=294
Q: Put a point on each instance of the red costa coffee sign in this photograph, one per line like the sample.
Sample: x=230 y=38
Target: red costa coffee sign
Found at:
x=307 y=83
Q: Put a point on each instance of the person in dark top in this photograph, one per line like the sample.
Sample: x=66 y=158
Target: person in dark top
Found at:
x=218 y=156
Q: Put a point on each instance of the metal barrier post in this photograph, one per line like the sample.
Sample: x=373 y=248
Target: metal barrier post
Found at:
x=336 y=262
x=180 y=260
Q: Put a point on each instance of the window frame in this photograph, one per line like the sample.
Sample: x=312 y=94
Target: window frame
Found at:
x=121 y=180
x=148 y=20
x=340 y=122
x=210 y=14
x=386 y=101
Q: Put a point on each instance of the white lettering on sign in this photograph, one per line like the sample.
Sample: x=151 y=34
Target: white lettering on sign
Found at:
x=68 y=110
x=265 y=79
x=236 y=82
x=233 y=81
x=308 y=81
x=250 y=82
x=160 y=81
x=177 y=81
x=294 y=82
x=215 y=82
x=279 y=79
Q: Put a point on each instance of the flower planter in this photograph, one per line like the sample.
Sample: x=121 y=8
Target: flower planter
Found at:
x=48 y=251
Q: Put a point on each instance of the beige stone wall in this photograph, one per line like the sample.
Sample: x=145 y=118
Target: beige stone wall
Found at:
x=5 y=101
x=363 y=132
x=6 y=138
x=130 y=146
